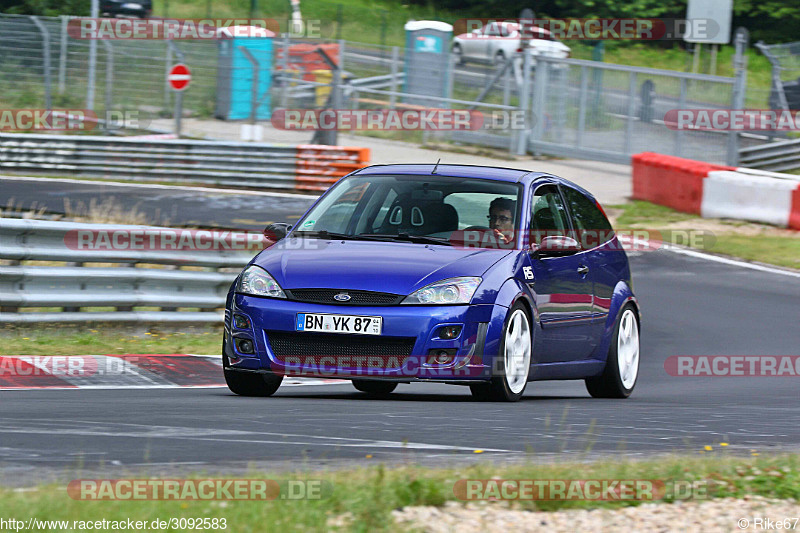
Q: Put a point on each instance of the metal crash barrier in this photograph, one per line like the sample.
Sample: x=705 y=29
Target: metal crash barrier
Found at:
x=258 y=165
x=116 y=273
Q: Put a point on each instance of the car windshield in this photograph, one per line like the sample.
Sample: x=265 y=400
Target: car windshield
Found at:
x=420 y=209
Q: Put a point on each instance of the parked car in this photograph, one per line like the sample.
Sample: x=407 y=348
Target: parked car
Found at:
x=468 y=275
x=131 y=8
x=497 y=41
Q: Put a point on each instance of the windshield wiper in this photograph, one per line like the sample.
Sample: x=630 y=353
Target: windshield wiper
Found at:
x=325 y=234
x=402 y=236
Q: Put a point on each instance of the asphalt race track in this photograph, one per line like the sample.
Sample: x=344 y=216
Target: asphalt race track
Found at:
x=691 y=306
x=162 y=205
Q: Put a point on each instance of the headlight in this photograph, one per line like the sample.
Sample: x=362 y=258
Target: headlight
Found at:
x=257 y=282
x=447 y=291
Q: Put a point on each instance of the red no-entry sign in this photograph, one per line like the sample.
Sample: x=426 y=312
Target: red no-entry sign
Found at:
x=179 y=77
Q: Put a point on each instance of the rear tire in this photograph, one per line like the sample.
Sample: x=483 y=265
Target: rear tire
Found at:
x=374 y=388
x=622 y=365
x=459 y=55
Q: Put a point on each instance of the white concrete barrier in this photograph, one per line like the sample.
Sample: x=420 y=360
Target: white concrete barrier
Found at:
x=746 y=196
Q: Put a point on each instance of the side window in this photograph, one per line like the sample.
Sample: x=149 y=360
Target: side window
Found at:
x=337 y=215
x=473 y=208
x=592 y=225
x=548 y=215
x=382 y=211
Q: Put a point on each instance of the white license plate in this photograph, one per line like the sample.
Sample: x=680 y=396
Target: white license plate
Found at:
x=131 y=6
x=360 y=325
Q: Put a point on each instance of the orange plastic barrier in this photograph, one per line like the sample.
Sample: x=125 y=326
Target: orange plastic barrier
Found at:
x=671 y=181
x=304 y=57
x=794 y=215
x=320 y=166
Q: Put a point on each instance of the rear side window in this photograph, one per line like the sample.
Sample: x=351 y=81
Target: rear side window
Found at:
x=492 y=30
x=548 y=216
x=591 y=224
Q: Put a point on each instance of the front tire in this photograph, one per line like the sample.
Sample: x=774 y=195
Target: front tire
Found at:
x=374 y=388
x=252 y=383
x=459 y=54
x=622 y=365
x=248 y=383
x=513 y=362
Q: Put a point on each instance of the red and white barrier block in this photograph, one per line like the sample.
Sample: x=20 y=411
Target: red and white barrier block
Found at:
x=138 y=371
x=717 y=191
x=728 y=194
x=129 y=371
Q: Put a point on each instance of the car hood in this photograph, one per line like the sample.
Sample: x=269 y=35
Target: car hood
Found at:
x=394 y=267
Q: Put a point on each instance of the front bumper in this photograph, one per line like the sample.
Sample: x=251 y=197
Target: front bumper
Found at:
x=416 y=327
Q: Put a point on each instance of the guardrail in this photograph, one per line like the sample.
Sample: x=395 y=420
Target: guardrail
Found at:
x=80 y=277
x=776 y=156
x=263 y=165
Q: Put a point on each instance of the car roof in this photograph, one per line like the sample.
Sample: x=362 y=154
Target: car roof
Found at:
x=457 y=171
x=512 y=175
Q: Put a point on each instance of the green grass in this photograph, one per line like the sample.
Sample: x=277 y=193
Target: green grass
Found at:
x=640 y=213
x=98 y=340
x=775 y=250
x=760 y=243
x=366 y=495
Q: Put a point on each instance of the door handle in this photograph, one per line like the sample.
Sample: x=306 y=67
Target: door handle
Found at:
x=583 y=270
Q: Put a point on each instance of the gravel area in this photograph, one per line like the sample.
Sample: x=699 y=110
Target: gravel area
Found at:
x=718 y=515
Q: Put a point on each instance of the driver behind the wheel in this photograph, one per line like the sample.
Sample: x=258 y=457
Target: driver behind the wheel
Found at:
x=501 y=218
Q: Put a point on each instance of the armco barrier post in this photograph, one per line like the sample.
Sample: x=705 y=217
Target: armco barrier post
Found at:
x=62 y=56
x=48 y=100
x=109 y=73
x=739 y=87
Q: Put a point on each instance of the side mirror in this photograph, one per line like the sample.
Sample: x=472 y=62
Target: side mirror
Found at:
x=276 y=231
x=556 y=246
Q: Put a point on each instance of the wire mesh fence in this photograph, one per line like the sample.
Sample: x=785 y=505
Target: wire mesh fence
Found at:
x=612 y=111
x=785 y=60
x=571 y=107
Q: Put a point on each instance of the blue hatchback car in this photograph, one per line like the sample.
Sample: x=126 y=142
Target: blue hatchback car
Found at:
x=468 y=275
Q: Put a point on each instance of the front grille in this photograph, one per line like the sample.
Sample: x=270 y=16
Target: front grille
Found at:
x=326 y=296
x=312 y=347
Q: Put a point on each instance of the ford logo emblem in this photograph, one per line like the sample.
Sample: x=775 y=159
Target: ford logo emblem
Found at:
x=342 y=297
